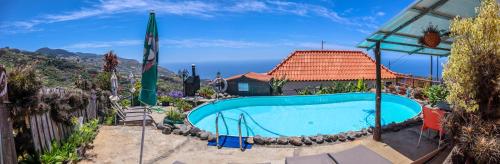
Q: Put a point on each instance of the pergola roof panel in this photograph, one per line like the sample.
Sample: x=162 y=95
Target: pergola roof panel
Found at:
x=402 y=32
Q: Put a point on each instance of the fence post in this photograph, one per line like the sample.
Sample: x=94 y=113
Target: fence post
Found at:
x=7 y=149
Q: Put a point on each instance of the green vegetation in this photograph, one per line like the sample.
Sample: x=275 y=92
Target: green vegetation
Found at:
x=336 y=87
x=24 y=84
x=435 y=94
x=183 y=105
x=60 y=68
x=472 y=77
x=166 y=99
x=206 y=92
x=277 y=85
x=175 y=115
x=66 y=151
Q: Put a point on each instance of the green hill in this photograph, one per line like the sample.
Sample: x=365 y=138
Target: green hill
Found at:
x=60 y=68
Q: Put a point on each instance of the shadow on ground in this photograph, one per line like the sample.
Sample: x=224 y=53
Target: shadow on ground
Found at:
x=405 y=142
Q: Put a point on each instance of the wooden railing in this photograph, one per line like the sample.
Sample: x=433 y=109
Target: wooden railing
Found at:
x=415 y=81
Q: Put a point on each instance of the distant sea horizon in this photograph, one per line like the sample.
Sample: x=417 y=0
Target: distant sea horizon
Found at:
x=208 y=70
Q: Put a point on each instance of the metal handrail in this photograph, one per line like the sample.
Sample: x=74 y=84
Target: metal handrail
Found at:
x=217 y=127
x=242 y=117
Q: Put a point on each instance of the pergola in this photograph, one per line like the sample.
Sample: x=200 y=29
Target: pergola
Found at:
x=402 y=33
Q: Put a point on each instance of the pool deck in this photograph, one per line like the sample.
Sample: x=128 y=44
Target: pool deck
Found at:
x=121 y=144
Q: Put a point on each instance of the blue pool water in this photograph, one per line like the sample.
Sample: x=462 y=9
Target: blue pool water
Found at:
x=273 y=116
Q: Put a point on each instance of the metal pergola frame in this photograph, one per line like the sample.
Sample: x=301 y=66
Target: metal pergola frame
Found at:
x=434 y=10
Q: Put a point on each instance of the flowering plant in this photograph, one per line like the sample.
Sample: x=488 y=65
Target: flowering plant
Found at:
x=176 y=94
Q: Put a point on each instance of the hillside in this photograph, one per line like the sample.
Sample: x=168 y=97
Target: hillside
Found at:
x=59 y=67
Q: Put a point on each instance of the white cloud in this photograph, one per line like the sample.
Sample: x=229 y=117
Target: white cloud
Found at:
x=205 y=9
x=191 y=43
x=246 y=6
x=208 y=43
x=103 y=44
x=380 y=13
x=363 y=31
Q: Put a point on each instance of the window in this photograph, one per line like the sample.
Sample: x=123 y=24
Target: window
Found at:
x=242 y=86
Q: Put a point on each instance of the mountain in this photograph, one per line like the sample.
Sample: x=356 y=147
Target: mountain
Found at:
x=95 y=61
x=59 y=67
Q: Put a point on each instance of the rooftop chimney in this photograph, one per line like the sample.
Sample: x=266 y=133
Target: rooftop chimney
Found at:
x=193 y=70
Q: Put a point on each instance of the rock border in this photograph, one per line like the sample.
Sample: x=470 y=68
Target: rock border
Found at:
x=187 y=129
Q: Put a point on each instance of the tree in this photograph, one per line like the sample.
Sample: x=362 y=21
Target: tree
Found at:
x=472 y=77
x=110 y=62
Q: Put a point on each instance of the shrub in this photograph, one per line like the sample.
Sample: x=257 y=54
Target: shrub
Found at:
x=23 y=84
x=472 y=77
x=183 y=105
x=436 y=93
x=66 y=152
x=125 y=102
x=277 y=85
x=304 y=91
x=175 y=115
x=206 y=92
x=103 y=81
x=361 y=86
x=166 y=99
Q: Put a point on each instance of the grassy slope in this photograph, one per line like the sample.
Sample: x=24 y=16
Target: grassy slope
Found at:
x=61 y=71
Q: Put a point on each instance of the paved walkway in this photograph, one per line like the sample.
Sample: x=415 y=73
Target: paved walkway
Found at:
x=121 y=144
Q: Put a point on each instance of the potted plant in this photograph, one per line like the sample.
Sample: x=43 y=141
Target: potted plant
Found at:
x=431 y=37
x=206 y=92
x=173 y=116
x=165 y=100
x=435 y=94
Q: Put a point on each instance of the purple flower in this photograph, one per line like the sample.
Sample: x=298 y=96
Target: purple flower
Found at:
x=176 y=94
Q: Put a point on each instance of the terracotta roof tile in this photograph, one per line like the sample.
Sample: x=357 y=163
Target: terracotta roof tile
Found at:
x=252 y=75
x=325 y=65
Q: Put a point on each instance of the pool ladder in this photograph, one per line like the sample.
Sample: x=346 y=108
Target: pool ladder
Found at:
x=242 y=117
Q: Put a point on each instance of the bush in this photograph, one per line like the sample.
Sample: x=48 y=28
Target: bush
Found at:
x=125 y=103
x=472 y=76
x=183 y=105
x=436 y=93
x=206 y=92
x=175 y=115
x=305 y=91
x=103 y=81
x=277 y=85
x=66 y=152
x=336 y=87
x=166 y=99
x=23 y=86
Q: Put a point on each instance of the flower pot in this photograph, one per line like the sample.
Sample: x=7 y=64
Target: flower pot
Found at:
x=431 y=39
x=431 y=108
x=172 y=122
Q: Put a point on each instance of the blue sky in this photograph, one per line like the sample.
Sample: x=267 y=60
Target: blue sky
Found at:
x=196 y=31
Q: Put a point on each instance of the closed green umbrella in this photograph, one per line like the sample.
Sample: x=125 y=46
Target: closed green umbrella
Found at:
x=150 y=63
x=149 y=71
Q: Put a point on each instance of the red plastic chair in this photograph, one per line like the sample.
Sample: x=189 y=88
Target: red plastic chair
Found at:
x=432 y=120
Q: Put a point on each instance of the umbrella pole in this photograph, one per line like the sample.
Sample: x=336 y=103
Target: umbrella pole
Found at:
x=142 y=137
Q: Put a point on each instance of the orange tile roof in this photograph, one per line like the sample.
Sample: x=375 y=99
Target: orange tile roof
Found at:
x=326 y=65
x=252 y=75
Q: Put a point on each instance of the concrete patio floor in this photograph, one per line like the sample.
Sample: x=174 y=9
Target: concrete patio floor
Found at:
x=121 y=144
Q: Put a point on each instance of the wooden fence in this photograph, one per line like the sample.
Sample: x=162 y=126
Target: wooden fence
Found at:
x=44 y=129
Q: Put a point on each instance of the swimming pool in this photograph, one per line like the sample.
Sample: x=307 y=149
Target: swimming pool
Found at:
x=273 y=116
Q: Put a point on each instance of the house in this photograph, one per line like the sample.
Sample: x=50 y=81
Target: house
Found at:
x=249 y=84
x=313 y=68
